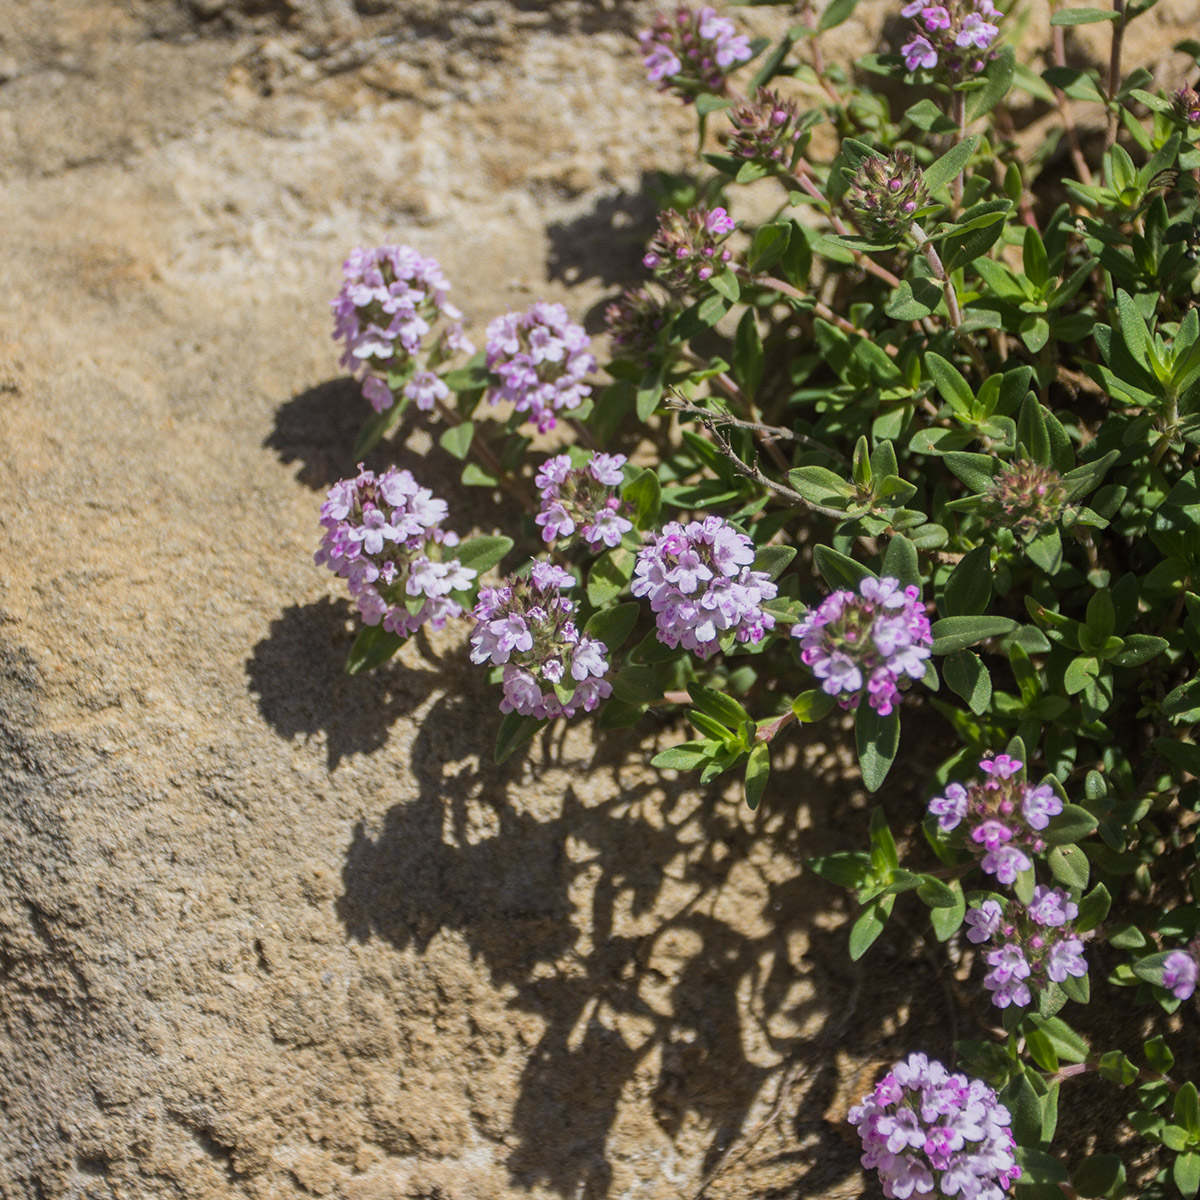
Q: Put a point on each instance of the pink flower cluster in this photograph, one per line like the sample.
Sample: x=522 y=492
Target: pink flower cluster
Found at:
x=1180 y=971
x=689 y=248
x=868 y=645
x=691 y=52
x=701 y=586
x=527 y=627
x=391 y=300
x=383 y=536
x=957 y=34
x=541 y=360
x=1035 y=943
x=926 y=1130
x=635 y=321
x=584 y=500
x=1001 y=816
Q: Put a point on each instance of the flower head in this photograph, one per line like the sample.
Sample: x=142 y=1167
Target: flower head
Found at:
x=527 y=626
x=870 y=644
x=1032 y=945
x=999 y=817
x=690 y=52
x=1186 y=104
x=765 y=130
x=1180 y=971
x=383 y=536
x=388 y=314
x=926 y=1130
x=584 y=500
x=1025 y=497
x=885 y=193
x=539 y=360
x=689 y=248
x=957 y=35
x=702 y=587
x=634 y=322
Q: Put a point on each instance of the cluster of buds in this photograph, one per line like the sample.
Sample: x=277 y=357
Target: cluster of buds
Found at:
x=691 y=52
x=584 y=500
x=886 y=193
x=701 y=586
x=1180 y=970
x=689 y=248
x=871 y=644
x=383 y=536
x=550 y=668
x=1001 y=816
x=765 y=129
x=635 y=322
x=391 y=301
x=1025 y=497
x=926 y=1130
x=1186 y=102
x=955 y=34
x=540 y=359
x=1032 y=944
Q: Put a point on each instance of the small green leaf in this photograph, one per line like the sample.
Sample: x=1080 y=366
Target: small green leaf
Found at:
x=482 y=553
x=1116 y=1068
x=1187 y=1108
x=1082 y=16
x=717 y=705
x=758 y=769
x=969 y=588
x=726 y=283
x=846 y=868
x=1071 y=825
x=1093 y=908
x=957 y=633
x=774 y=560
x=1041 y=1048
x=950 y=382
x=373 y=646
x=1069 y=865
x=878 y=739
x=901 y=562
x=947 y=168
x=1186 y=1174
x=812 y=706
x=685 y=757
x=836 y=14
x=457 y=439
x=612 y=626
x=967 y=677
x=644 y=492
x=515 y=731
x=1098 y=1175
x=1067 y=1043
x=609 y=575
x=869 y=925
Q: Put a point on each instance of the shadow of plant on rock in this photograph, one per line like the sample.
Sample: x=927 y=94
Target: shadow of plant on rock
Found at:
x=665 y=936
x=298 y=674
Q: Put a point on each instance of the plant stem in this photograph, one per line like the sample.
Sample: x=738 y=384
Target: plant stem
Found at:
x=951 y=293
x=822 y=310
x=1064 y=106
x=767 y=732
x=1114 y=73
x=770 y=433
x=958 y=114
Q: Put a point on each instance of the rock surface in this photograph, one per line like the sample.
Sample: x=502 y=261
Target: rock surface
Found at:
x=267 y=930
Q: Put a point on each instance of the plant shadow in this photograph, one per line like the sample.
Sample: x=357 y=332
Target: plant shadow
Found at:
x=667 y=938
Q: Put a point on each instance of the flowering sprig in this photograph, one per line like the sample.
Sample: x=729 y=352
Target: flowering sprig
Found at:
x=383 y=536
x=871 y=644
x=690 y=52
x=927 y=1130
x=582 y=500
x=527 y=626
x=689 y=248
x=765 y=129
x=885 y=194
x=1001 y=816
x=956 y=35
x=540 y=360
x=701 y=586
x=635 y=321
x=387 y=313
x=1033 y=944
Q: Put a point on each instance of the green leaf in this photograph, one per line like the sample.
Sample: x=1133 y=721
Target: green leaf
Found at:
x=1041 y=1048
x=1093 y=908
x=877 y=739
x=846 y=868
x=457 y=439
x=1082 y=16
x=967 y=677
x=947 y=921
x=1158 y=1054
x=1069 y=865
x=812 y=706
x=839 y=571
x=644 y=493
x=1039 y=1167
x=901 y=562
x=768 y=246
x=748 y=354
x=869 y=925
x=1186 y=1173
x=1187 y=1108
x=774 y=560
x=969 y=588
x=951 y=164
x=1098 y=1175
x=685 y=757
x=482 y=553
x=717 y=705
x=636 y=685
x=373 y=646
x=836 y=13
x=998 y=78
x=515 y=731
x=975 y=470
x=914 y=299
x=950 y=382
x=819 y=485
x=1071 y=825
x=609 y=575
x=649 y=393
x=612 y=626
x=1068 y=1045
x=758 y=769
x=957 y=633
x=1116 y=1068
